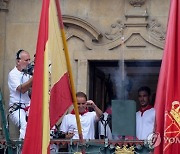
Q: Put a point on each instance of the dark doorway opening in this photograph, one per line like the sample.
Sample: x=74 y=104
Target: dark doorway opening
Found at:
x=121 y=80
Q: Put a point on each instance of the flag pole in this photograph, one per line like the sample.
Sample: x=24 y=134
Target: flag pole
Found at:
x=70 y=72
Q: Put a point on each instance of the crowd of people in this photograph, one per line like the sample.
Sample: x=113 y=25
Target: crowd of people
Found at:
x=20 y=83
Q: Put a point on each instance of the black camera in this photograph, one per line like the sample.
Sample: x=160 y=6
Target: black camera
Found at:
x=58 y=135
x=29 y=69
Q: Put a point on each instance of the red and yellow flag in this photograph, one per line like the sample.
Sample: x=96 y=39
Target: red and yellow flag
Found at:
x=167 y=103
x=51 y=94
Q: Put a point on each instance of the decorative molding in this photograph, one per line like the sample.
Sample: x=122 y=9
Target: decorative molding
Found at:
x=156 y=30
x=137 y=11
x=3 y=5
x=116 y=31
x=120 y=32
x=136 y=40
x=137 y=3
x=75 y=21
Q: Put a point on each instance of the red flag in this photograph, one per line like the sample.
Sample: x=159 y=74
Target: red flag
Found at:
x=167 y=103
x=51 y=88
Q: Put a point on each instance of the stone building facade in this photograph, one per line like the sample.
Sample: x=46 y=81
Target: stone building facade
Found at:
x=107 y=40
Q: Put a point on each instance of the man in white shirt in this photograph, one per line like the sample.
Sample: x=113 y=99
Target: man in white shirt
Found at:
x=19 y=83
x=145 y=117
x=87 y=119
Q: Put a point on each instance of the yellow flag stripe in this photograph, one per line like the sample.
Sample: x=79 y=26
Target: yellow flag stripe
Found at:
x=46 y=124
x=56 y=55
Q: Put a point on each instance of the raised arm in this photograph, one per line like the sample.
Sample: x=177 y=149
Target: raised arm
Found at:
x=90 y=103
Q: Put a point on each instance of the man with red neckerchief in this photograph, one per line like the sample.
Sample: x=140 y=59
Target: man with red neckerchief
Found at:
x=87 y=119
x=145 y=117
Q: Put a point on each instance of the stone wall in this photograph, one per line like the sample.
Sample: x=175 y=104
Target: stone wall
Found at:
x=95 y=30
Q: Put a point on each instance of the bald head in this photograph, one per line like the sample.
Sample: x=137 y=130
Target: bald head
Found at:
x=22 y=59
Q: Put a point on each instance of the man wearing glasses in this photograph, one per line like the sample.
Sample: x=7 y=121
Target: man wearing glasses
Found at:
x=19 y=84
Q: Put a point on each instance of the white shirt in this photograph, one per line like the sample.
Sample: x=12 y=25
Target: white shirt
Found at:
x=87 y=123
x=101 y=127
x=145 y=123
x=16 y=78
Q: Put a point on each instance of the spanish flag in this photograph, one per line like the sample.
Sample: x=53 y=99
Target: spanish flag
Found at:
x=51 y=93
x=167 y=103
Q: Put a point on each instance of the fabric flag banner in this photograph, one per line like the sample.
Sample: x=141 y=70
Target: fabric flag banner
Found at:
x=51 y=88
x=60 y=98
x=167 y=102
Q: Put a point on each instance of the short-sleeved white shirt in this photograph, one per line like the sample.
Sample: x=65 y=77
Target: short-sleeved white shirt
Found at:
x=87 y=123
x=102 y=130
x=15 y=78
x=145 y=123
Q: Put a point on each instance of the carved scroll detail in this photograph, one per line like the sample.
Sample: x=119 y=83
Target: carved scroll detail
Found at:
x=116 y=30
x=156 y=29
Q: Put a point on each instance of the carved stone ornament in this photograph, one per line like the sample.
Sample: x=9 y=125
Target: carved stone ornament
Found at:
x=115 y=31
x=137 y=3
x=156 y=29
x=3 y=5
x=136 y=40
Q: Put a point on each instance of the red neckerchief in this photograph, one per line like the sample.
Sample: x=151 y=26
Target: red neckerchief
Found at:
x=142 y=110
x=26 y=108
x=109 y=110
x=73 y=112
